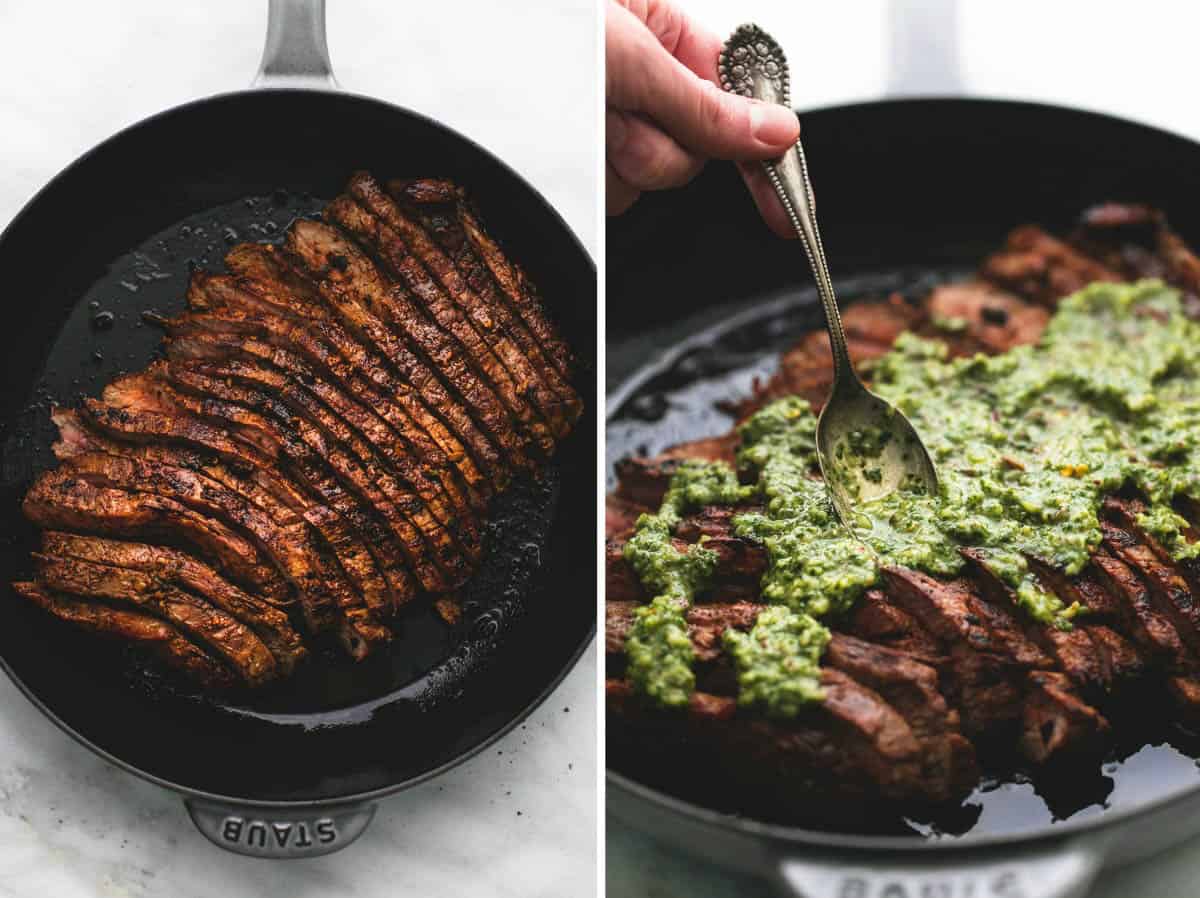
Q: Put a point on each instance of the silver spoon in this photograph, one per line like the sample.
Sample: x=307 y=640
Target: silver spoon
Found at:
x=865 y=446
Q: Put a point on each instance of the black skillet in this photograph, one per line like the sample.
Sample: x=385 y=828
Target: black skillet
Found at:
x=909 y=192
x=296 y=770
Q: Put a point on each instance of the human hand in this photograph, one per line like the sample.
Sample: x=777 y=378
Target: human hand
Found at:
x=666 y=115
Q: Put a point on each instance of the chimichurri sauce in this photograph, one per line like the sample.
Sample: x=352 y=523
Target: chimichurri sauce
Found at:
x=1027 y=444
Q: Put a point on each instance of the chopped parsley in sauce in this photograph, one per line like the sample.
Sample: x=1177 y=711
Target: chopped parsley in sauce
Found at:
x=1027 y=444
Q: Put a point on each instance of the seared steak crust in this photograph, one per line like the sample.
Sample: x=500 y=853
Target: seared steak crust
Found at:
x=316 y=451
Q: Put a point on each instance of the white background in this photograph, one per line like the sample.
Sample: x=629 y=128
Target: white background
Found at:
x=520 y=78
x=1137 y=60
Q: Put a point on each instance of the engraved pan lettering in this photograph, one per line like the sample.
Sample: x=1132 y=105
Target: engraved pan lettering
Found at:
x=1005 y=884
x=262 y=832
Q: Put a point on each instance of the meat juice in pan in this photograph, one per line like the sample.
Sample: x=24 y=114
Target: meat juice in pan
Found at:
x=106 y=333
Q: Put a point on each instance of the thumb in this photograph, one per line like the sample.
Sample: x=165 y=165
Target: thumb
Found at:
x=709 y=121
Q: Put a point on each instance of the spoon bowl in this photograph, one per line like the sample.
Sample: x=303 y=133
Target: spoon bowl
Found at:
x=866 y=448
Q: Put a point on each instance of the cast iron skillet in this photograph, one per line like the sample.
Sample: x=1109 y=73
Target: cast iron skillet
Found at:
x=907 y=190
x=296 y=770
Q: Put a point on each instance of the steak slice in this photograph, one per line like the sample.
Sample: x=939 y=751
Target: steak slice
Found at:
x=877 y=619
x=1125 y=513
x=954 y=612
x=807 y=368
x=854 y=745
x=1056 y=723
x=160 y=638
x=1041 y=267
x=1072 y=650
x=911 y=688
x=152 y=420
x=264 y=290
x=644 y=481
x=1152 y=628
x=271 y=337
x=621 y=583
x=452 y=540
x=505 y=370
x=76 y=436
x=347 y=278
x=288 y=548
x=1168 y=590
x=61 y=500
x=988 y=655
x=307 y=452
x=995 y=319
x=514 y=286
x=948 y=763
x=620 y=516
x=181 y=570
x=223 y=634
x=441 y=222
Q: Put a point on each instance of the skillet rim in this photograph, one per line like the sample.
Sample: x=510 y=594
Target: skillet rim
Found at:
x=796 y=835
x=370 y=795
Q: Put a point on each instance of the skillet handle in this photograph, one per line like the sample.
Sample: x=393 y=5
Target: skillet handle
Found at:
x=279 y=833
x=1064 y=870
x=295 y=53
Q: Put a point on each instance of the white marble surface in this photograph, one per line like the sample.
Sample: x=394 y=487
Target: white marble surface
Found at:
x=520 y=823
x=1134 y=61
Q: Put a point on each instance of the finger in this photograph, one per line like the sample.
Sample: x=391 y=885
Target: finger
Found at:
x=767 y=200
x=689 y=42
x=644 y=77
x=618 y=195
x=644 y=156
x=708 y=120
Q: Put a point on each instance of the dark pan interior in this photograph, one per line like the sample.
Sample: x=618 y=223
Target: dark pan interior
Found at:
x=118 y=233
x=701 y=299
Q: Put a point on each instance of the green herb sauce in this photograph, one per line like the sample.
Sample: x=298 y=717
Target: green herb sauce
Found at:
x=1027 y=444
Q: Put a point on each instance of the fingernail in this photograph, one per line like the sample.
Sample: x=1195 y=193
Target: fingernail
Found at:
x=773 y=124
x=615 y=131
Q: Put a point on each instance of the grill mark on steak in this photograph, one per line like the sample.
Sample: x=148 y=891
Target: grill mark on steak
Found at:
x=411 y=369
x=290 y=346
x=322 y=467
x=358 y=283
x=263 y=289
x=948 y=765
x=1155 y=630
x=146 y=632
x=1072 y=650
x=879 y=620
x=454 y=542
x=59 y=500
x=514 y=286
x=1125 y=512
x=282 y=502
x=952 y=611
x=510 y=380
x=855 y=744
x=439 y=560
x=176 y=425
x=224 y=635
x=440 y=221
x=276 y=369
x=178 y=569
x=1168 y=590
x=289 y=548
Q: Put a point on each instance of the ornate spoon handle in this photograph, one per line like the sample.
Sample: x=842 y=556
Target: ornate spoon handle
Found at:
x=753 y=65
